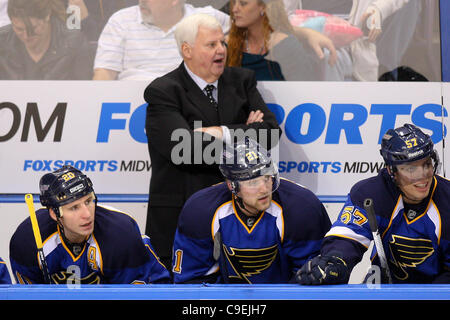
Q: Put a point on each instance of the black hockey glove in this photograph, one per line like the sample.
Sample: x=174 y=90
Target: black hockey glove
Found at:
x=323 y=270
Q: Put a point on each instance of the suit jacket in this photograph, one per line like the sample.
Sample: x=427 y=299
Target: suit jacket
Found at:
x=175 y=101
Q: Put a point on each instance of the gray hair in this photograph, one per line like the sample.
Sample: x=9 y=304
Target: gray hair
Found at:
x=187 y=29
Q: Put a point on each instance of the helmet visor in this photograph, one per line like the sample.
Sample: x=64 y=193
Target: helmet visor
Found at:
x=417 y=170
x=268 y=181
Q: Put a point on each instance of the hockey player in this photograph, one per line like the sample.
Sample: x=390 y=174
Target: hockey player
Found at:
x=252 y=228
x=4 y=273
x=83 y=242
x=412 y=208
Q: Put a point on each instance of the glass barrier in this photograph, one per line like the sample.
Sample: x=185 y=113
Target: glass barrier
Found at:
x=283 y=40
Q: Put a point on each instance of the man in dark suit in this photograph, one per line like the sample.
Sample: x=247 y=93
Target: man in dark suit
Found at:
x=179 y=104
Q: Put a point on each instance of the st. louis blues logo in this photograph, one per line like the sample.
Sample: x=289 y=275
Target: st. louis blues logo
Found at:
x=248 y=262
x=64 y=277
x=408 y=253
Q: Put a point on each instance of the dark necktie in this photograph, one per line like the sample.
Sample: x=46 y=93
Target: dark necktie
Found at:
x=209 y=90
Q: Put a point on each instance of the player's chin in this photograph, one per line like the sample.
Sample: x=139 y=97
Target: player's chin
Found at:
x=264 y=202
x=87 y=229
x=421 y=187
x=422 y=193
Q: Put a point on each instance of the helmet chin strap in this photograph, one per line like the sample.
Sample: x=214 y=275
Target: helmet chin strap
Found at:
x=241 y=205
x=59 y=223
x=59 y=213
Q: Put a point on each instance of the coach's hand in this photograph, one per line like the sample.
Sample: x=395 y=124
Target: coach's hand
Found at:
x=323 y=270
x=255 y=116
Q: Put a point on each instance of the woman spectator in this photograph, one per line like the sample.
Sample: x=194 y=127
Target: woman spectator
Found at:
x=261 y=38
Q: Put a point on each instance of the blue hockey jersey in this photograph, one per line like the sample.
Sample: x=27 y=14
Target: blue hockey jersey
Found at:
x=417 y=244
x=213 y=244
x=114 y=253
x=4 y=273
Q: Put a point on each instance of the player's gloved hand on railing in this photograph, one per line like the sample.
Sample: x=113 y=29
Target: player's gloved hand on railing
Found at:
x=323 y=270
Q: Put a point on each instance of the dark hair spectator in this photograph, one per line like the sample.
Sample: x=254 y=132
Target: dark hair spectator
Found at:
x=38 y=45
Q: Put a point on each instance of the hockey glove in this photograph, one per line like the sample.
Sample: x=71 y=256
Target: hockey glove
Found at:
x=323 y=270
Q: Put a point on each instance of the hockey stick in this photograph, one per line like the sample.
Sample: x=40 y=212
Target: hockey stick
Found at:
x=368 y=206
x=37 y=237
x=219 y=255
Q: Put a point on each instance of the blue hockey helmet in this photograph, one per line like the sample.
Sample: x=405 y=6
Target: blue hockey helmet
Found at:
x=63 y=186
x=406 y=144
x=247 y=160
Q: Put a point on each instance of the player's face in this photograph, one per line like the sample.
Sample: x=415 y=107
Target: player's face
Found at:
x=206 y=58
x=78 y=218
x=414 y=179
x=247 y=13
x=256 y=194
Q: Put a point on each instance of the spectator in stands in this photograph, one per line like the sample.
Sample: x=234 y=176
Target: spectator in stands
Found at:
x=138 y=42
x=262 y=39
x=38 y=46
x=388 y=26
x=95 y=13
